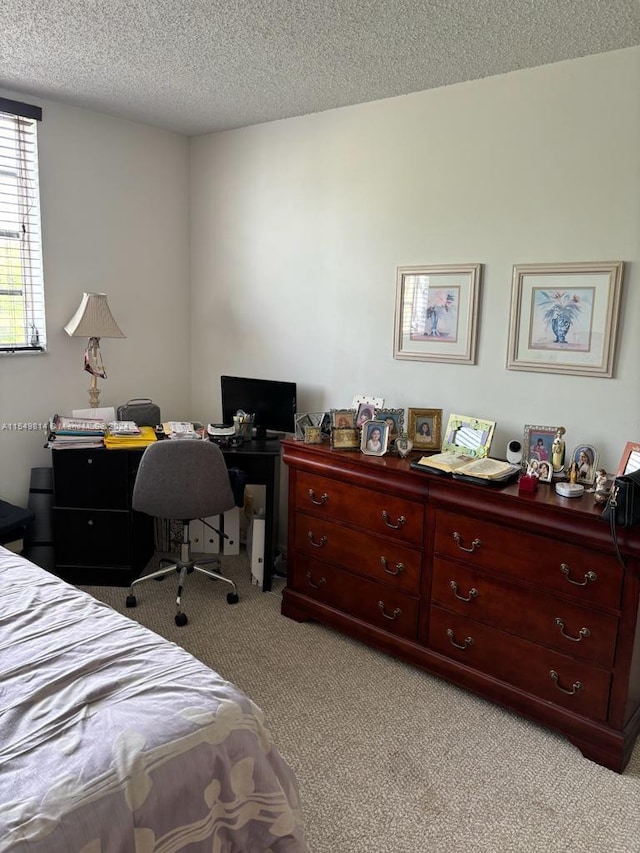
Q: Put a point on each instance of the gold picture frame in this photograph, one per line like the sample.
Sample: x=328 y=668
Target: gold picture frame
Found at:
x=347 y=438
x=424 y=428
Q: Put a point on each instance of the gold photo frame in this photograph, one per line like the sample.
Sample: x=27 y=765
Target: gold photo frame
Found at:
x=345 y=438
x=424 y=428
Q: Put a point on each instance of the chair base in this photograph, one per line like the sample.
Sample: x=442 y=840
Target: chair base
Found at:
x=184 y=568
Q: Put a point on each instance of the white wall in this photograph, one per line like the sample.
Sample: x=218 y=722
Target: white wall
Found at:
x=115 y=218
x=299 y=226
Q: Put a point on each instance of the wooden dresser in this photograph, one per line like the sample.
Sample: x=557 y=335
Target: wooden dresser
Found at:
x=519 y=598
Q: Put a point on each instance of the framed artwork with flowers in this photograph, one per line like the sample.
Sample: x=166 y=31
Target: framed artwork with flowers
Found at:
x=564 y=317
x=437 y=313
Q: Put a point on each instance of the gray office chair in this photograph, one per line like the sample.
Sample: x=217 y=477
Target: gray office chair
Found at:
x=183 y=479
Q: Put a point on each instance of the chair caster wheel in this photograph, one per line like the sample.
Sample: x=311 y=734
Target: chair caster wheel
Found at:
x=181 y=619
x=232 y=598
x=131 y=601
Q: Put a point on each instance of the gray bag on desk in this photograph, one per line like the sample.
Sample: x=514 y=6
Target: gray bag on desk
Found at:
x=140 y=410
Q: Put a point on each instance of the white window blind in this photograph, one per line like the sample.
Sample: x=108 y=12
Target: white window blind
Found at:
x=22 y=318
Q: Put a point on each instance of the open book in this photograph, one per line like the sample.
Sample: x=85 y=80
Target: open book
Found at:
x=456 y=463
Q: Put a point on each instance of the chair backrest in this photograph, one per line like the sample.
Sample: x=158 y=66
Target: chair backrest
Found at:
x=182 y=479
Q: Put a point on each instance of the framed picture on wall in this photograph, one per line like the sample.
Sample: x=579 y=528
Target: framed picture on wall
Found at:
x=436 y=315
x=564 y=318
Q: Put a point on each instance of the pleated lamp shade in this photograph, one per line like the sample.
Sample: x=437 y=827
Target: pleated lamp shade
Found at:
x=93 y=319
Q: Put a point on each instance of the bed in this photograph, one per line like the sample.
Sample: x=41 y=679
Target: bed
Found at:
x=114 y=740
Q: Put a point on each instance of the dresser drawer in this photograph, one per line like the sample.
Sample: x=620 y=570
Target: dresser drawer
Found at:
x=371 y=556
x=537 y=616
x=554 y=677
x=92 y=537
x=586 y=574
x=374 y=603
x=377 y=512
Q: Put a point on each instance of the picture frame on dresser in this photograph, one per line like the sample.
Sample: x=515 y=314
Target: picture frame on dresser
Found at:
x=630 y=459
x=537 y=444
x=343 y=418
x=345 y=438
x=395 y=419
x=436 y=316
x=424 y=428
x=375 y=438
x=564 y=318
x=311 y=419
x=586 y=458
x=468 y=435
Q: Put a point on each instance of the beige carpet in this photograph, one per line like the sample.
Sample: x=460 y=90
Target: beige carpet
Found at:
x=388 y=758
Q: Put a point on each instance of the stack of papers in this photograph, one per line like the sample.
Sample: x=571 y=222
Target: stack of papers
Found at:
x=179 y=429
x=123 y=428
x=123 y=440
x=68 y=432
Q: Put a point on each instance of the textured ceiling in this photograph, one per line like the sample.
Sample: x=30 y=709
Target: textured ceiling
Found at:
x=197 y=66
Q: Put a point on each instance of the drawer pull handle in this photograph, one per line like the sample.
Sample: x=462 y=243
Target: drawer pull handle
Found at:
x=320 y=544
x=320 y=583
x=577 y=685
x=473 y=592
x=399 y=567
x=397 y=612
x=589 y=576
x=583 y=632
x=468 y=641
x=458 y=539
x=323 y=498
x=387 y=520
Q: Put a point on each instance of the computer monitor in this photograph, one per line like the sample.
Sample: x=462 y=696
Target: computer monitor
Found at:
x=272 y=403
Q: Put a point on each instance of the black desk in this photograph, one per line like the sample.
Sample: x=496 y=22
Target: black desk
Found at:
x=100 y=539
x=260 y=460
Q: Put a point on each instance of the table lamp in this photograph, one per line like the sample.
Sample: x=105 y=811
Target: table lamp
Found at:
x=94 y=320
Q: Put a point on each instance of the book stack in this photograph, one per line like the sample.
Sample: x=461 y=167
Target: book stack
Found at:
x=65 y=433
x=127 y=435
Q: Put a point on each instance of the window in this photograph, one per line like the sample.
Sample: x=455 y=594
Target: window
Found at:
x=22 y=320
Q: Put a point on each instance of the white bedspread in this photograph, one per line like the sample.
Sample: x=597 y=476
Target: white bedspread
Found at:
x=114 y=740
